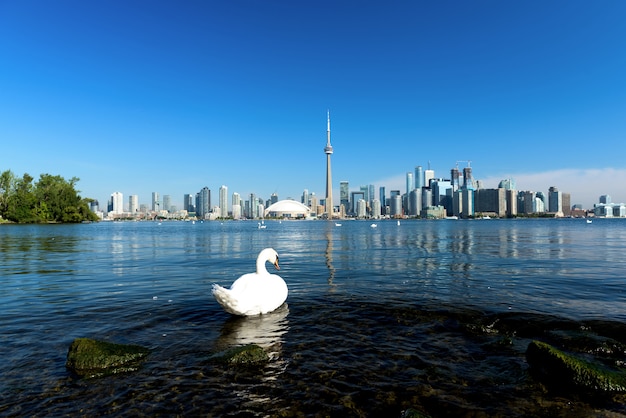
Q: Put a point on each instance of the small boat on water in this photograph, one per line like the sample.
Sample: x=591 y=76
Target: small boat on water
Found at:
x=589 y=221
x=373 y=225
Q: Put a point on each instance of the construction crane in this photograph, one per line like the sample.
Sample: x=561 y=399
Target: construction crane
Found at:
x=469 y=163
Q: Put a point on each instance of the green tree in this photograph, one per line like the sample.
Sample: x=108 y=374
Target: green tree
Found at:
x=51 y=199
x=7 y=186
x=21 y=206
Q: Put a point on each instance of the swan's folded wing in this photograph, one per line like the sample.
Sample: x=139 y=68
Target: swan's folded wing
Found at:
x=225 y=298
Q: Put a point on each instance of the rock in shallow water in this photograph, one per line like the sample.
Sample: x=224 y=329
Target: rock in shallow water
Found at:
x=247 y=355
x=563 y=371
x=92 y=358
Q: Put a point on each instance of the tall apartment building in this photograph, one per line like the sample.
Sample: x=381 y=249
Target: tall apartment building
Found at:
x=188 y=203
x=203 y=202
x=223 y=201
x=155 y=201
x=116 y=205
x=133 y=203
x=344 y=194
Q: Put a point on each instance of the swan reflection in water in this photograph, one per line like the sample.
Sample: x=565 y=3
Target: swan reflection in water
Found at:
x=266 y=331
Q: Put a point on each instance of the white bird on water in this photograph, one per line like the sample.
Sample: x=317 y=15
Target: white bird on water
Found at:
x=254 y=293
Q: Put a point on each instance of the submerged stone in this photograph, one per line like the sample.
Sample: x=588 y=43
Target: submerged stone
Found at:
x=247 y=355
x=91 y=358
x=563 y=371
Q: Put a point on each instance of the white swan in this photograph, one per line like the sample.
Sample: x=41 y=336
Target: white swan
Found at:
x=254 y=293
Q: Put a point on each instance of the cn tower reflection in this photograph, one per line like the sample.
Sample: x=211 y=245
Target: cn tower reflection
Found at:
x=329 y=255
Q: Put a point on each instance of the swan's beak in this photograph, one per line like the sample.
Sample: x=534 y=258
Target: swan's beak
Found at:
x=276 y=264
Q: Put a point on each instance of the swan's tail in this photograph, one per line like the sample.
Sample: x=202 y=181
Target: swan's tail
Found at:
x=225 y=299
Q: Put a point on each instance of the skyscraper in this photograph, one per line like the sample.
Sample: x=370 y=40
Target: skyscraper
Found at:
x=419 y=177
x=203 y=202
x=133 y=203
x=117 y=203
x=409 y=182
x=328 y=150
x=344 y=194
x=223 y=201
x=188 y=203
x=236 y=202
x=155 y=201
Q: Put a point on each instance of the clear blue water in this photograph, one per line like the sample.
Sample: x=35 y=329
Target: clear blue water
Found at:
x=377 y=320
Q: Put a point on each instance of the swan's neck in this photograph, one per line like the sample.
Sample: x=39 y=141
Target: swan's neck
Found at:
x=260 y=265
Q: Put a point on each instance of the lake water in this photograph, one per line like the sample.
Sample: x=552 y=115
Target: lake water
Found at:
x=378 y=320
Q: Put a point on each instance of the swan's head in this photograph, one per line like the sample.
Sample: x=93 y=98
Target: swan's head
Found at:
x=269 y=254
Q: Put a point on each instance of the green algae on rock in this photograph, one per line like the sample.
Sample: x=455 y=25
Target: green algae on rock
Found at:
x=92 y=358
x=247 y=355
x=561 y=370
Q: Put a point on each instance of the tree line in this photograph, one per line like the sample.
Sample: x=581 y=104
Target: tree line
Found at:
x=50 y=199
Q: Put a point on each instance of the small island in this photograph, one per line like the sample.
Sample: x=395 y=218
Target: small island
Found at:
x=51 y=199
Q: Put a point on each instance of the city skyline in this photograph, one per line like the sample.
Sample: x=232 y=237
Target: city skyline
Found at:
x=199 y=95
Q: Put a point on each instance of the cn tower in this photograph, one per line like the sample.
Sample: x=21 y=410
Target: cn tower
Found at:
x=328 y=150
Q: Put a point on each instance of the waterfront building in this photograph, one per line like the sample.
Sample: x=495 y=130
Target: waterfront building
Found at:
x=223 y=201
x=605 y=199
x=526 y=202
x=273 y=198
x=491 y=201
x=203 y=203
x=610 y=210
x=419 y=177
x=287 y=209
x=167 y=203
x=188 y=203
x=328 y=150
x=395 y=203
x=361 y=208
x=468 y=203
x=344 y=193
x=305 y=198
x=410 y=185
x=428 y=176
x=507 y=184
x=155 y=202
x=415 y=202
x=236 y=212
x=511 y=203
x=440 y=189
x=116 y=205
x=313 y=203
x=454 y=179
x=354 y=199
x=383 y=199
x=365 y=190
x=376 y=209
x=133 y=203
x=427 y=197
x=433 y=212
x=555 y=201
x=567 y=204
x=252 y=206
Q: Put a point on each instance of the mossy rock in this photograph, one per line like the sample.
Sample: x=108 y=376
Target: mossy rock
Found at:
x=92 y=358
x=413 y=413
x=247 y=355
x=563 y=371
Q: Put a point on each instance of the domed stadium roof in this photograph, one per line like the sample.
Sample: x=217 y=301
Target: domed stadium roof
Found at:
x=288 y=208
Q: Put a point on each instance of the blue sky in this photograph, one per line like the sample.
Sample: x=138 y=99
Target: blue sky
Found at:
x=170 y=97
